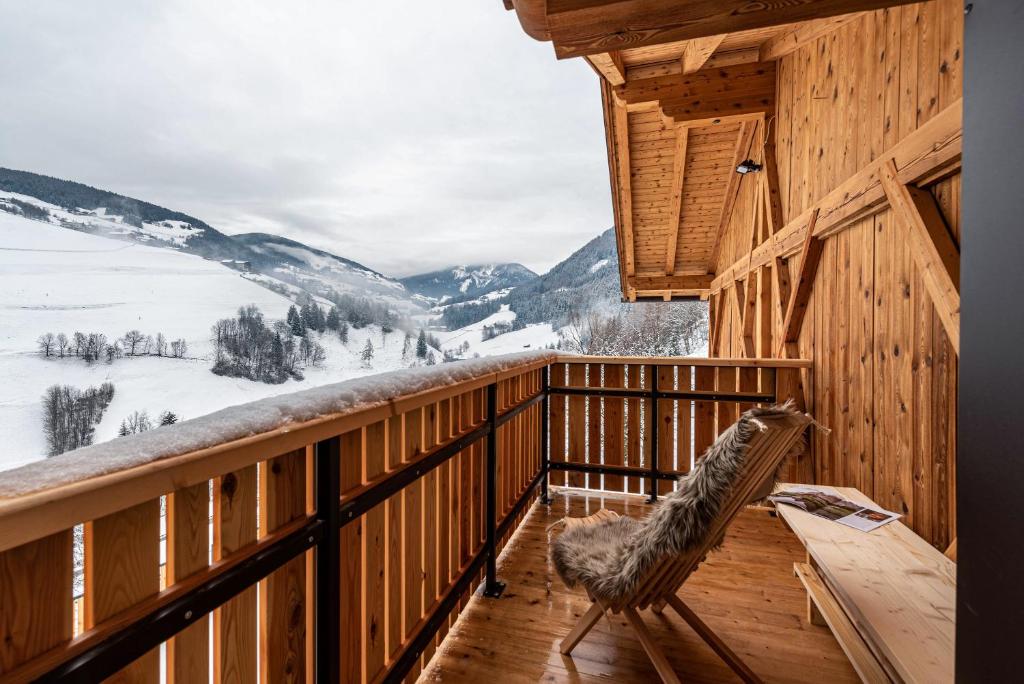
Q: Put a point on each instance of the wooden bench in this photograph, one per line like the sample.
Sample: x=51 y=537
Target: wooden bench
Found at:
x=888 y=596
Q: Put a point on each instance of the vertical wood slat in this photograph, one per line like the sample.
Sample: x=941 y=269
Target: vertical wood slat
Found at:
x=634 y=457
x=430 y=525
x=557 y=424
x=727 y=411
x=665 y=421
x=594 y=425
x=35 y=592
x=350 y=650
x=122 y=567
x=234 y=623
x=684 y=416
x=614 y=414
x=374 y=551
x=704 y=412
x=283 y=593
x=188 y=550
x=577 y=424
x=412 y=529
x=395 y=543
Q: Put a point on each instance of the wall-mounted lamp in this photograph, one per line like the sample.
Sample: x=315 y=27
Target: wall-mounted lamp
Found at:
x=748 y=166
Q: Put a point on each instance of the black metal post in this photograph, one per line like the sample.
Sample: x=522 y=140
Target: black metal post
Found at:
x=545 y=451
x=492 y=587
x=653 y=482
x=327 y=638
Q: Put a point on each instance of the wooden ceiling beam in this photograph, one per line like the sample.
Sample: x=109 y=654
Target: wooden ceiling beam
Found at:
x=706 y=97
x=691 y=283
x=732 y=190
x=620 y=131
x=698 y=51
x=587 y=27
x=790 y=41
x=609 y=66
x=676 y=198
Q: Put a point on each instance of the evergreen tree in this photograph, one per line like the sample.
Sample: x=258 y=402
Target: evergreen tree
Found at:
x=295 y=322
x=421 y=345
x=406 y=344
x=343 y=332
x=168 y=418
x=367 y=354
x=333 y=319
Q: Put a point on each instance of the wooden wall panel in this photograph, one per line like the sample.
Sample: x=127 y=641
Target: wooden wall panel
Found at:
x=884 y=375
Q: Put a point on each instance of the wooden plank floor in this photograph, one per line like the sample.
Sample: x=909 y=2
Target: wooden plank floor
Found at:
x=746 y=592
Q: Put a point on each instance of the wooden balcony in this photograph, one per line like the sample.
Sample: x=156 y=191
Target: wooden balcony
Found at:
x=746 y=592
x=338 y=534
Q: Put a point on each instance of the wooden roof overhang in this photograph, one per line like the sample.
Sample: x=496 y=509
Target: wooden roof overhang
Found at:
x=688 y=92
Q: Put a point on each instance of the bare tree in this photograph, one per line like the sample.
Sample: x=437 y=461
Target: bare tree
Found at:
x=46 y=344
x=132 y=341
x=179 y=348
x=62 y=344
x=160 y=345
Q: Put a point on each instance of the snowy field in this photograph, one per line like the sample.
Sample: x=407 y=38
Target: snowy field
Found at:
x=54 y=279
x=530 y=338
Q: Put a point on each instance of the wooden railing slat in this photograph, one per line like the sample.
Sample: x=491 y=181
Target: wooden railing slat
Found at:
x=188 y=552
x=351 y=648
x=557 y=425
x=35 y=596
x=374 y=557
x=234 y=623
x=283 y=594
x=122 y=567
x=577 y=425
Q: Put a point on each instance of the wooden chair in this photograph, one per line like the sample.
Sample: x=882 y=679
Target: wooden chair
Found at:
x=765 y=453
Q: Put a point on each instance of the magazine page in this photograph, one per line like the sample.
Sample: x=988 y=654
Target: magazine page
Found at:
x=828 y=504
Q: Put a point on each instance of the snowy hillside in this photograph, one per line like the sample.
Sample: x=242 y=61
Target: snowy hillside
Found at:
x=469 y=341
x=461 y=283
x=98 y=212
x=57 y=280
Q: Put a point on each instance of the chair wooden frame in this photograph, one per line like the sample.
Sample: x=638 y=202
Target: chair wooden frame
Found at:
x=659 y=589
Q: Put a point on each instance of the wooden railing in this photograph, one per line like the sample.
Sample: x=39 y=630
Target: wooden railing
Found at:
x=604 y=411
x=344 y=545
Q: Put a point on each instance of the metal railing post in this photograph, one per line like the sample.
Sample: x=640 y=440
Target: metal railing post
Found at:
x=545 y=448
x=654 y=437
x=327 y=626
x=492 y=587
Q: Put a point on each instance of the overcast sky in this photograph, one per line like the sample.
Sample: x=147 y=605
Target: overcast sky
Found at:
x=405 y=135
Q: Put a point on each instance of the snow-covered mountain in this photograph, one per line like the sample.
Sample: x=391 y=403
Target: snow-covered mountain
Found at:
x=463 y=283
x=285 y=265
x=320 y=272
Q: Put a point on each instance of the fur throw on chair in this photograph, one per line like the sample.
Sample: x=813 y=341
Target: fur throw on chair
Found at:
x=611 y=558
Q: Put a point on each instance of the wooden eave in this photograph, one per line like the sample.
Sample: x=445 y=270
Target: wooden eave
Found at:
x=687 y=88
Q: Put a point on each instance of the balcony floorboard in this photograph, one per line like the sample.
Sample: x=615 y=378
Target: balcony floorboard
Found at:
x=746 y=592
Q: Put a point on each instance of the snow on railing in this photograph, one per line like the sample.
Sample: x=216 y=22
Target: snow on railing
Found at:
x=252 y=419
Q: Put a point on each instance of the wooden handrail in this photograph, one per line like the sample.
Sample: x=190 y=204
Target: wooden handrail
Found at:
x=687 y=361
x=36 y=514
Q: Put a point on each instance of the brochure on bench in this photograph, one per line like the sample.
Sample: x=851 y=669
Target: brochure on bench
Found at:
x=831 y=506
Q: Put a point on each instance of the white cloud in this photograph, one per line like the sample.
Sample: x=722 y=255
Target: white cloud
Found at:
x=405 y=135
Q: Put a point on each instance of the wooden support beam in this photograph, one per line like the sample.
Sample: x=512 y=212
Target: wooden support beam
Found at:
x=620 y=127
x=732 y=190
x=935 y=254
x=584 y=27
x=810 y=257
x=770 y=178
x=750 y=316
x=739 y=300
x=696 y=52
x=716 y=342
x=806 y=32
x=928 y=154
x=744 y=90
x=675 y=282
x=676 y=198
x=609 y=66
